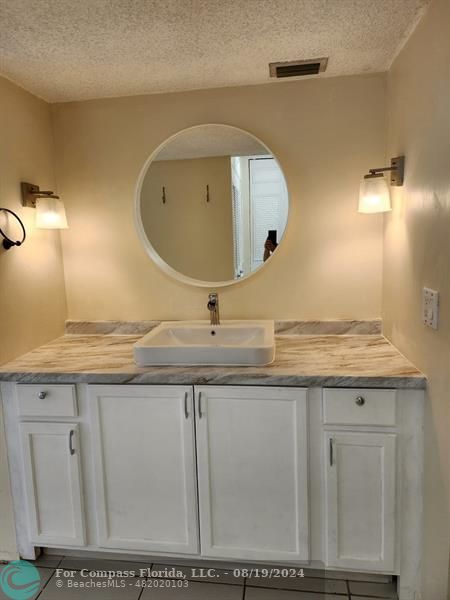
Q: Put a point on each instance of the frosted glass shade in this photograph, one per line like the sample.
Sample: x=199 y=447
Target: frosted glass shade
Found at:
x=374 y=195
x=50 y=214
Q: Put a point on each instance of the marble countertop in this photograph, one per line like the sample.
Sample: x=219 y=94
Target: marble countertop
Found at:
x=301 y=360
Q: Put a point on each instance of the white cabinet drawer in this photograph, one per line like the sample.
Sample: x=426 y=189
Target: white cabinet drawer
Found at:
x=47 y=401
x=358 y=407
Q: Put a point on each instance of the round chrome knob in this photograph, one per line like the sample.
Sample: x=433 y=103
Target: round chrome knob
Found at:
x=42 y=395
x=360 y=401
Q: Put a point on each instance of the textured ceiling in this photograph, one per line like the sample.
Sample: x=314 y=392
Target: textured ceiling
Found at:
x=77 y=49
x=210 y=140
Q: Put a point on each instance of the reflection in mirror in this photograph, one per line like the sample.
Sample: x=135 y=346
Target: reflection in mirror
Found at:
x=214 y=203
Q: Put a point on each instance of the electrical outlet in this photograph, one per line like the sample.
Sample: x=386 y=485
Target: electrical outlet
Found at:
x=430 y=307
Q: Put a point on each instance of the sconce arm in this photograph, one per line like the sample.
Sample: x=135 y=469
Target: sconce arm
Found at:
x=397 y=170
x=30 y=192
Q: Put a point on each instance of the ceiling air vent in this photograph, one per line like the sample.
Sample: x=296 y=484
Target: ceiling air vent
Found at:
x=298 y=68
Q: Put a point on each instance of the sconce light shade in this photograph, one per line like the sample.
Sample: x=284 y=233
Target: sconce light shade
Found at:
x=50 y=214
x=374 y=196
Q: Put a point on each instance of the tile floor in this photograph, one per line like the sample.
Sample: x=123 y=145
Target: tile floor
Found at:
x=167 y=582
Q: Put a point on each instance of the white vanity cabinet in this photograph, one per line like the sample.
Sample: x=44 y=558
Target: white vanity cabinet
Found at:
x=360 y=440
x=44 y=450
x=360 y=500
x=263 y=474
x=252 y=452
x=53 y=483
x=144 y=458
x=251 y=448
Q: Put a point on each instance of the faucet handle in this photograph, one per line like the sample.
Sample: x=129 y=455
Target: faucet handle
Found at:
x=213 y=300
x=213 y=307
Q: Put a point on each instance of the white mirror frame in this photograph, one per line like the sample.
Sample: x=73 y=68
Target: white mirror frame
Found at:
x=146 y=242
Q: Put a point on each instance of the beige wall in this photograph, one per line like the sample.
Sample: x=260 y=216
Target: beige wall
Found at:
x=326 y=134
x=32 y=296
x=193 y=236
x=417 y=254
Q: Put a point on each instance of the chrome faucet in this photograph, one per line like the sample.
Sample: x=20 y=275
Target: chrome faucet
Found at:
x=213 y=307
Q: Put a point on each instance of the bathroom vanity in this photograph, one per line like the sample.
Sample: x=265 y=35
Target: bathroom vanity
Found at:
x=314 y=460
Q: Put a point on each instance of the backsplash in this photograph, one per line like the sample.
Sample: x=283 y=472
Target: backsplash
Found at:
x=336 y=327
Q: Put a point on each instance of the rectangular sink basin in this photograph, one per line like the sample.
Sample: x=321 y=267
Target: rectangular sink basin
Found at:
x=199 y=343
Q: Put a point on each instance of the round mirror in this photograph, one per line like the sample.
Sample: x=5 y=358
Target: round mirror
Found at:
x=212 y=205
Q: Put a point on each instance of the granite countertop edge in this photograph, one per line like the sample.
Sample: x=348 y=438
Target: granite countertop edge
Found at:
x=364 y=361
x=235 y=378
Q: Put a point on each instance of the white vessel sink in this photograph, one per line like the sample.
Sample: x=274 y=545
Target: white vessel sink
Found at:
x=199 y=343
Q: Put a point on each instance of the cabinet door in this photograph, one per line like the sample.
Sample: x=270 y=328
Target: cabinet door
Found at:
x=360 y=495
x=145 y=467
x=53 y=483
x=252 y=470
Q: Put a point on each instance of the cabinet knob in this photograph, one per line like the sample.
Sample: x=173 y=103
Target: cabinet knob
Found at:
x=42 y=395
x=360 y=401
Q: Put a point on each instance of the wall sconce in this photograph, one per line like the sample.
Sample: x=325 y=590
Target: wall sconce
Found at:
x=50 y=211
x=374 y=196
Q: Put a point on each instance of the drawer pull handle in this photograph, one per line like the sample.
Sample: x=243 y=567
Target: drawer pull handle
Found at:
x=186 y=412
x=42 y=395
x=331 y=452
x=360 y=401
x=71 y=448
